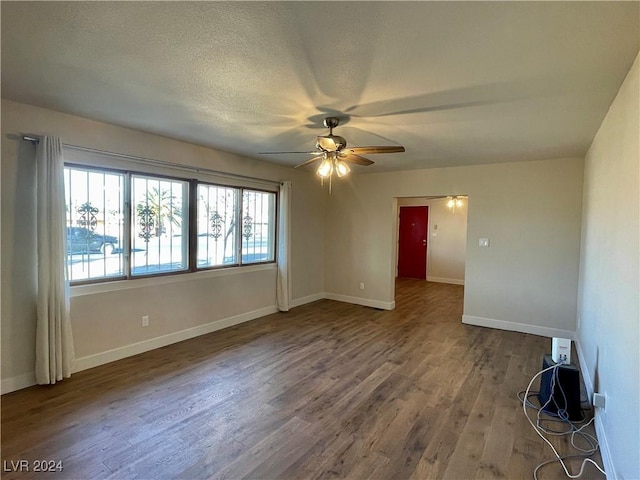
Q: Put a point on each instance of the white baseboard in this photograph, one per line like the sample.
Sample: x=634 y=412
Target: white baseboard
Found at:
x=308 y=299
x=18 y=382
x=452 y=281
x=517 y=327
x=109 y=356
x=586 y=374
x=605 y=451
x=367 y=302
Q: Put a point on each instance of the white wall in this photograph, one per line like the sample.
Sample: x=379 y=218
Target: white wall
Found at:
x=106 y=318
x=447 y=240
x=531 y=211
x=609 y=291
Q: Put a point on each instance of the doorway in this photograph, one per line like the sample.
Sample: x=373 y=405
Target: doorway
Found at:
x=412 y=242
x=445 y=241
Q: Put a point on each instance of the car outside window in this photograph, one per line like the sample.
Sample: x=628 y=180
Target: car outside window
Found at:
x=95 y=224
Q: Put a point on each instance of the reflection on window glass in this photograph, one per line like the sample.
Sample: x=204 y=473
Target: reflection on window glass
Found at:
x=258 y=226
x=159 y=239
x=95 y=224
x=217 y=233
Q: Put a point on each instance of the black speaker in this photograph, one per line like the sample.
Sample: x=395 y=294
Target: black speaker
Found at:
x=563 y=397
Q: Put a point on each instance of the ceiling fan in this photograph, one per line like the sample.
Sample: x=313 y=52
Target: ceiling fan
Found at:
x=333 y=154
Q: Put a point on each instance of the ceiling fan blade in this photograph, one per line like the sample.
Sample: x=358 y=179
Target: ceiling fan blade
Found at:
x=357 y=159
x=370 y=150
x=319 y=157
x=315 y=152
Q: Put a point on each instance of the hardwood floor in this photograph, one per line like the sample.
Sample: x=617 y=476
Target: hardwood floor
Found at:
x=328 y=390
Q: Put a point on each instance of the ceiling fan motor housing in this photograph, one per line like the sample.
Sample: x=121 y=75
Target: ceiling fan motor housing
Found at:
x=330 y=143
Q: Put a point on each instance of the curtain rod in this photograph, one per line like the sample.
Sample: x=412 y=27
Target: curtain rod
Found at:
x=162 y=163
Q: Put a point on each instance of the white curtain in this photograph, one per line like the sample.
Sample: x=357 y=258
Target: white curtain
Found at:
x=54 y=342
x=283 y=286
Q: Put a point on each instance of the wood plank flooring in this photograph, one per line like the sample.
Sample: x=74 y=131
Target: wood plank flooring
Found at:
x=328 y=390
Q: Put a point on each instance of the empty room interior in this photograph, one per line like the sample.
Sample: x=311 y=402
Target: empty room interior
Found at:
x=300 y=240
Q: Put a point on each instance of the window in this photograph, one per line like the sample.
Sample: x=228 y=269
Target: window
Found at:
x=95 y=224
x=124 y=225
x=233 y=234
x=258 y=226
x=159 y=239
x=217 y=221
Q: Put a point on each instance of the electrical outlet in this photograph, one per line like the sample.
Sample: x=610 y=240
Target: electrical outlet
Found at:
x=362 y=286
x=599 y=400
x=145 y=320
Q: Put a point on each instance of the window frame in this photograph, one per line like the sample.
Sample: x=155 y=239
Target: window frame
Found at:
x=275 y=225
x=129 y=200
x=126 y=227
x=238 y=246
x=191 y=218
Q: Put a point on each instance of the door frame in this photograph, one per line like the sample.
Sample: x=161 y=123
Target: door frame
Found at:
x=395 y=225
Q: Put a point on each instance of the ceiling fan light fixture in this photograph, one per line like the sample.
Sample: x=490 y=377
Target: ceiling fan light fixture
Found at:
x=325 y=169
x=342 y=168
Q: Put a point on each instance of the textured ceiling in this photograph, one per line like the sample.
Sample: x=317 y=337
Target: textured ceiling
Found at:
x=456 y=83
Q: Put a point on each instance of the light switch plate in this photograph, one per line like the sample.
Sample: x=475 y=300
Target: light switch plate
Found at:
x=483 y=242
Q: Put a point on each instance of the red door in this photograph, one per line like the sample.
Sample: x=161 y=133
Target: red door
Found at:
x=412 y=242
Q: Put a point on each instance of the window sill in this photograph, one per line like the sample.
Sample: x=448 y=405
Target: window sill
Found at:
x=94 y=288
